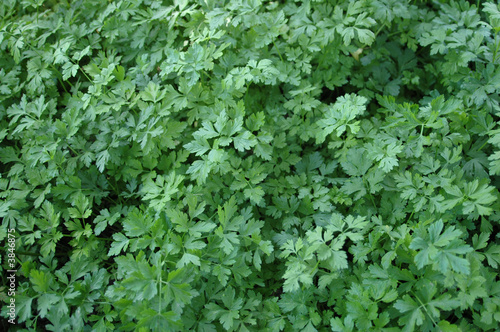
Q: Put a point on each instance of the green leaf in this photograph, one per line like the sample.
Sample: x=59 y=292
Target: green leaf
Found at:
x=136 y=223
x=120 y=243
x=256 y=195
x=186 y=259
x=338 y=116
x=244 y=141
x=441 y=249
x=152 y=93
x=161 y=191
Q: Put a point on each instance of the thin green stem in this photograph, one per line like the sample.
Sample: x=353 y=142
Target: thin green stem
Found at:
x=104 y=239
x=84 y=73
x=482 y=146
x=159 y=293
x=379 y=29
x=277 y=50
x=411 y=215
x=423 y=306
x=393 y=33
x=369 y=193
x=96 y=302
x=246 y=93
x=373 y=201
x=112 y=200
x=497 y=47
x=206 y=74
x=72 y=150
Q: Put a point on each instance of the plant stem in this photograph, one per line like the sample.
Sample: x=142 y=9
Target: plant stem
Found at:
x=277 y=50
x=482 y=146
x=425 y=309
x=497 y=47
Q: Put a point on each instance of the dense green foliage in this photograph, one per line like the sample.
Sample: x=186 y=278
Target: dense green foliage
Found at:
x=248 y=165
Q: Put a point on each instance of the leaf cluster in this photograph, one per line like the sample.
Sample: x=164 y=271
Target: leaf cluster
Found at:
x=249 y=165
